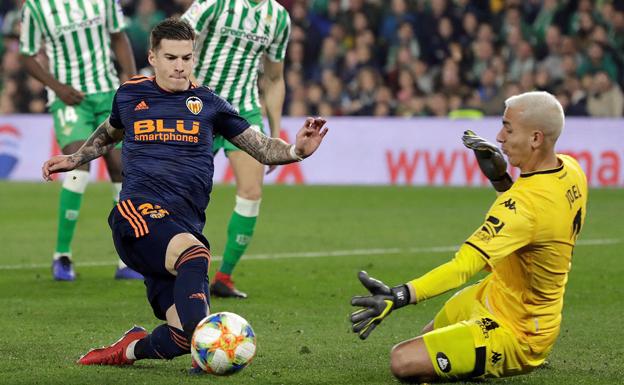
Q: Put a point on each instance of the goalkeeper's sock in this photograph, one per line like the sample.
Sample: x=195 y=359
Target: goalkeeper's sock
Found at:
x=240 y=230
x=74 y=186
x=165 y=342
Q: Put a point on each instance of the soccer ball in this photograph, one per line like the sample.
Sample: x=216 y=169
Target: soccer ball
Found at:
x=223 y=344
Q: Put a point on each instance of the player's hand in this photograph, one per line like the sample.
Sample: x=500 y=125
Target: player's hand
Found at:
x=377 y=306
x=310 y=136
x=58 y=163
x=490 y=159
x=68 y=94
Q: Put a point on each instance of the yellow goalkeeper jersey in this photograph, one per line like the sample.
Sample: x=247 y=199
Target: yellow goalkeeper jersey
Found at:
x=527 y=241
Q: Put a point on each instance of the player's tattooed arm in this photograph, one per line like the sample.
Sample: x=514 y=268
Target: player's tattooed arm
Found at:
x=275 y=151
x=264 y=149
x=99 y=143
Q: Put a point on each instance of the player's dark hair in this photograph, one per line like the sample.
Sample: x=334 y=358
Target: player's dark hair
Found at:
x=171 y=29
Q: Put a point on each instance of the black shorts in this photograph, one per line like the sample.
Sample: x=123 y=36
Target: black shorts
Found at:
x=141 y=234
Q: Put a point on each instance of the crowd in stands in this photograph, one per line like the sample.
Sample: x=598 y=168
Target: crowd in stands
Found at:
x=409 y=58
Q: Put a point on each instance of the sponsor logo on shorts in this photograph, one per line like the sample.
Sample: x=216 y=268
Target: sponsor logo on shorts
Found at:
x=154 y=211
x=487 y=325
x=496 y=357
x=510 y=204
x=443 y=362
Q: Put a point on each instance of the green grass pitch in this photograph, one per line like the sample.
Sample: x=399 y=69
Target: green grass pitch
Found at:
x=300 y=273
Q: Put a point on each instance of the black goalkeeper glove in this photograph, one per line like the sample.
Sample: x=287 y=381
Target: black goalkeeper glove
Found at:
x=376 y=306
x=491 y=160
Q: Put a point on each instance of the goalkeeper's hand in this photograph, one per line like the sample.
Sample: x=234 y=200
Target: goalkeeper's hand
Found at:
x=491 y=160
x=376 y=306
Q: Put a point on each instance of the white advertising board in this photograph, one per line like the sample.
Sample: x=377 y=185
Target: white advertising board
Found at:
x=367 y=151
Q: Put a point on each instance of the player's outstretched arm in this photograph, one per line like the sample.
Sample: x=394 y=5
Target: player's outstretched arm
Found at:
x=98 y=144
x=377 y=306
x=275 y=151
x=490 y=159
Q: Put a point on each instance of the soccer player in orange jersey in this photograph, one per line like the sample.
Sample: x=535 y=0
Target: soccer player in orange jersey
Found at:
x=507 y=323
x=167 y=125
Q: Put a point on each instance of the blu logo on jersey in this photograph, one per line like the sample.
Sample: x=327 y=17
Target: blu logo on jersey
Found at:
x=155 y=129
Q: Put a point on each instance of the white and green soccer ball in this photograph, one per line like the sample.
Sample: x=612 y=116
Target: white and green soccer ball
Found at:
x=223 y=344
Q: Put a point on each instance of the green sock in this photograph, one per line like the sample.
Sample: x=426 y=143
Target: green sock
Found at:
x=68 y=216
x=240 y=230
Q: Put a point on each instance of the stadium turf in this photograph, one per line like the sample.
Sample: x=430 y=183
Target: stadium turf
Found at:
x=300 y=273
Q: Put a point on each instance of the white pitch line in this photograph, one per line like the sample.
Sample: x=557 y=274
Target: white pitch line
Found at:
x=320 y=254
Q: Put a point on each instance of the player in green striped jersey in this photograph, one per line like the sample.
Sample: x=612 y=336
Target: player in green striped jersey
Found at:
x=81 y=82
x=235 y=38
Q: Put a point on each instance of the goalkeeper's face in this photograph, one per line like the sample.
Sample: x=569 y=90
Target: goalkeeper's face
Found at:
x=517 y=139
x=173 y=62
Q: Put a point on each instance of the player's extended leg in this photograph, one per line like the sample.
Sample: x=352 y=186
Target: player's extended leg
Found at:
x=249 y=175
x=187 y=258
x=113 y=165
x=73 y=188
x=409 y=362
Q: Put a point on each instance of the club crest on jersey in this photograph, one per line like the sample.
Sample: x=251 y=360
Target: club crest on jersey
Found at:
x=194 y=104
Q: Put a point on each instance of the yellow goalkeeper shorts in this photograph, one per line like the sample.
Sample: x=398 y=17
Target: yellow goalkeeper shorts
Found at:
x=469 y=342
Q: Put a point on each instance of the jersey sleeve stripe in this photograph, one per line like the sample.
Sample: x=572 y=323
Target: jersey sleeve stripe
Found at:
x=28 y=36
x=281 y=49
x=115 y=25
x=478 y=249
x=139 y=80
x=207 y=12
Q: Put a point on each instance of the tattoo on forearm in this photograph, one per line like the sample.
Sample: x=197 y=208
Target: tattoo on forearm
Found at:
x=98 y=144
x=264 y=149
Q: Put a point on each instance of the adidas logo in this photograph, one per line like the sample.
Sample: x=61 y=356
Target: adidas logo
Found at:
x=200 y=296
x=141 y=106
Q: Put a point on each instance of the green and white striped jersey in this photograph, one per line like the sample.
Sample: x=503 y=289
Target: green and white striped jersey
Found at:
x=77 y=40
x=232 y=35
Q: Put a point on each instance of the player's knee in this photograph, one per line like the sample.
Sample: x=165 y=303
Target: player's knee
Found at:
x=427 y=328
x=399 y=362
x=409 y=364
x=250 y=193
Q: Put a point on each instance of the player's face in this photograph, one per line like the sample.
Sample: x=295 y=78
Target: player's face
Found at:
x=515 y=138
x=173 y=62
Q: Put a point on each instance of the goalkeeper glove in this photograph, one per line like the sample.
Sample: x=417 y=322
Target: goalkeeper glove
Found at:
x=491 y=160
x=376 y=306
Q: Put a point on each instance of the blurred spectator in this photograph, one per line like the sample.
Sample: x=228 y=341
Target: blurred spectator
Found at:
x=139 y=28
x=522 y=61
x=392 y=20
x=552 y=55
x=597 y=60
x=404 y=43
x=406 y=57
x=606 y=98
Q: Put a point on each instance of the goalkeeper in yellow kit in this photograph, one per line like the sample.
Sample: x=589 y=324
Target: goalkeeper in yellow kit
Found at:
x=507 y=323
